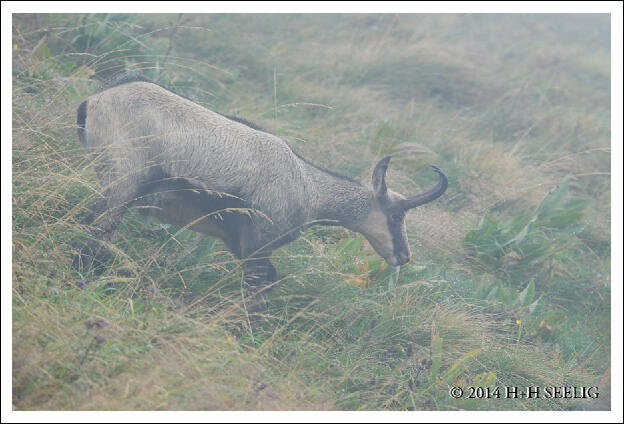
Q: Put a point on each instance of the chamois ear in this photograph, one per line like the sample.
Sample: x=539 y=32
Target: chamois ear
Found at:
x=379 y=178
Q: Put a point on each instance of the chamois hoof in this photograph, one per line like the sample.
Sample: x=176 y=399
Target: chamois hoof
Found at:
x=88 y=259
x=255 y=304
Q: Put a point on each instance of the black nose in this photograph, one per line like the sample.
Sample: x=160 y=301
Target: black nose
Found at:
x=403 y=259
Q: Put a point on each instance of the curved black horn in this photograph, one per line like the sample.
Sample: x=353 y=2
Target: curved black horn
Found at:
x=428 y=195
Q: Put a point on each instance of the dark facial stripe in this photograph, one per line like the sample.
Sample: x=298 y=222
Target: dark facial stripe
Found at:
x=399 y=246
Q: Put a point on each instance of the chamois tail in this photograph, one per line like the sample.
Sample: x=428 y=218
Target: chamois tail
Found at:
x=81 y=119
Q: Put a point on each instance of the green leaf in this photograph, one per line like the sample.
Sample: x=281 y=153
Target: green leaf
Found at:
x=485 y=379
x=393 y=278
x=458 y=366
x=522 y=234
x=42 y=51
x=553 y=200
x=206 y=248
x=564 y=219
x=374 y=263
x=66 y=67
x=492 y=294
x=533 y=305
x=549 y=206
x=349 y=247
x=385 y=139
x=526 y=296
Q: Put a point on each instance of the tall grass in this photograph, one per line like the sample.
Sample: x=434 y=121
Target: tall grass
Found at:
x=509 y=284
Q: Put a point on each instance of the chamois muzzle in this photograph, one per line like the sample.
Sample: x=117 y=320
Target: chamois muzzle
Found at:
x=428 y=195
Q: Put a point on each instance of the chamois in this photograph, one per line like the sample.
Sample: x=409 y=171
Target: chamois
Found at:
x=223 y=176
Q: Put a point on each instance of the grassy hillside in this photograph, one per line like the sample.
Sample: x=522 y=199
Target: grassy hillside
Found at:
x=509 y=283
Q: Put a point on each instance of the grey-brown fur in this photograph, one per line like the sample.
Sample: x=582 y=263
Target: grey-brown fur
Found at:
x=186 y=164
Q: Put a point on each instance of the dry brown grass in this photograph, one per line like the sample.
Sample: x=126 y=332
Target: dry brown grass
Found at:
x=202 y=368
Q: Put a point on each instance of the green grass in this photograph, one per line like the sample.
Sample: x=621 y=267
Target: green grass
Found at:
x=509 y=284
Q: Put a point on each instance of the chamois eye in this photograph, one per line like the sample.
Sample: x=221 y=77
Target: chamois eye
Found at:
x=396 y=217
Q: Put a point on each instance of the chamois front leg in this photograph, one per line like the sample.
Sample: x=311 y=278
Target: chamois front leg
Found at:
x=258 y=272
x=248 y=240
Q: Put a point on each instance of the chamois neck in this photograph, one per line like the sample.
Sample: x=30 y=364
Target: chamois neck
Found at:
x=337 y=199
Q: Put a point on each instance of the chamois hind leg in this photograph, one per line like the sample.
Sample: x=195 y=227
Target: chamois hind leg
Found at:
x=101 y=222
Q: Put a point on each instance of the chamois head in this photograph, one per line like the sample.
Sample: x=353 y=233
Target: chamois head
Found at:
x=384 y=225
